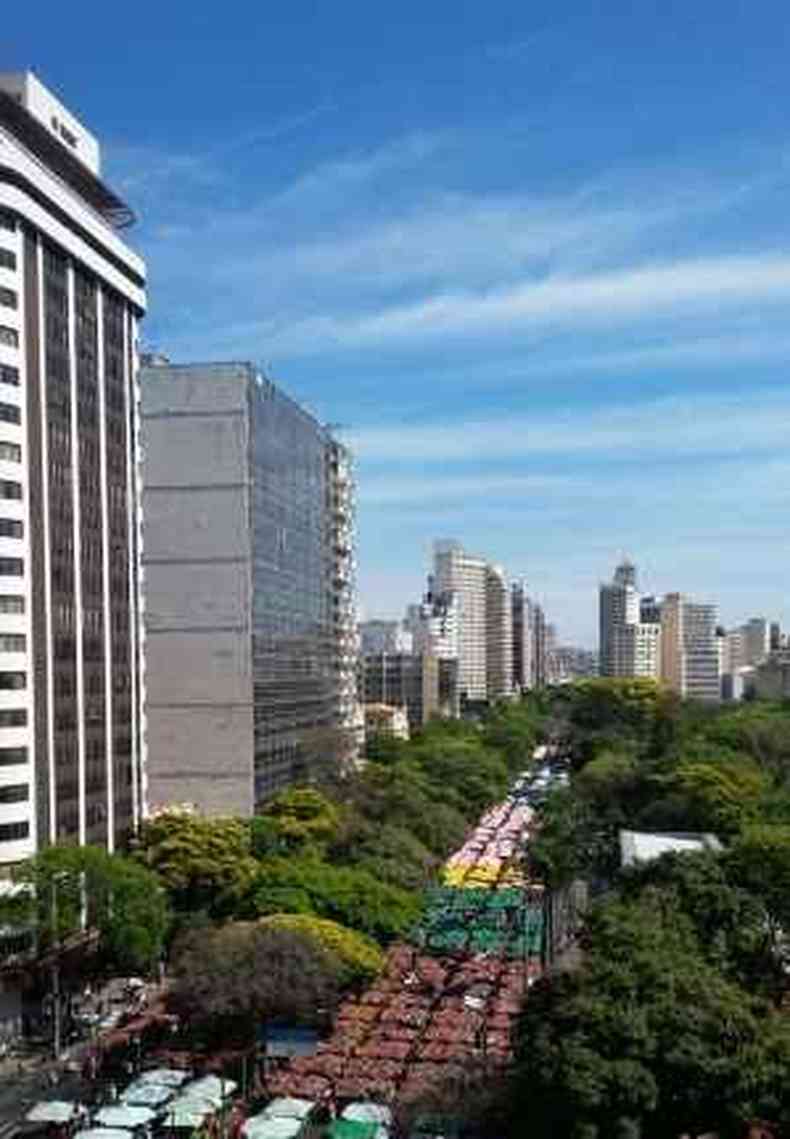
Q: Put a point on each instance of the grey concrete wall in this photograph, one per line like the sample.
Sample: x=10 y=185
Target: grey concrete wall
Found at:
x=197 y=583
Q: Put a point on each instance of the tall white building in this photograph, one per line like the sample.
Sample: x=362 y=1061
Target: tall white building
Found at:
x=629 y=633
x=434 y=623
x=485 y=660
x=379 y=636
x=71 y=294
x=689 y=648
x=465 y=575
x=499 y=635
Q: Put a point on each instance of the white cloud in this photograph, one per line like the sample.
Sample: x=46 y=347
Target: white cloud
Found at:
x=671 y=427
x=614 y=297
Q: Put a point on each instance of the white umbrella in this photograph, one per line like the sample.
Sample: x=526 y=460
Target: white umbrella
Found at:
x=272 y=1127
x=288 y=1107
x=124 y=1116
x=217 y=1087
x=54 y=1111
x=363 y=1111
x=147 y=1095
x=188 y=1113
x=168 y=1077
x=103 y=1133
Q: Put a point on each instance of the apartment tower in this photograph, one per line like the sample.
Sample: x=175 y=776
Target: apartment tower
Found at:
x=71 y=294
x=484 y=621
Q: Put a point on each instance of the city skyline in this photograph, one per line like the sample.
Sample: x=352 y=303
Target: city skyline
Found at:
x=552 y=318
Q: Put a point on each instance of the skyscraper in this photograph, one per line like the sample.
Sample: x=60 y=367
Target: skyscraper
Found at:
x=499 y=635
x=465 y=575
x=71 y=294
x=523 y=626
x=629 y=634
x=689 y=648
x=250 y=622
x=485 y=648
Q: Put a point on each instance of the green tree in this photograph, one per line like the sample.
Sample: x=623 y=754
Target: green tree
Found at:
x=121 y=900
x=647 y=1037
x=359 y=959
x=349 y=896
x=301 y=817
x=205 y=864
x=229 y=980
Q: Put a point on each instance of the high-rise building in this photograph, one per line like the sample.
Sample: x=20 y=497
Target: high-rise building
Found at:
x=540 y=663
x=485 y=648
x=523 y=625
x=250 y=622
x=465 y=575
x=419 y=682
x=71 y=294
x=434 y=623
x=689 y=648
x=629 y=629
x=377 y=636
x=499 y=635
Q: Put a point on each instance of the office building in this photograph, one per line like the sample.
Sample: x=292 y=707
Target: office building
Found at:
x=419 y=682
x=689 y=650
x=485 y=650
x=629 y=631
x=248 y=559
x=523 y=627
x=499 y=635
x=71 y=295
x=378 y=636
x=434 y=623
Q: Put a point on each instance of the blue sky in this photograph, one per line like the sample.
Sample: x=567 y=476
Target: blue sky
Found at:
x=535 y=258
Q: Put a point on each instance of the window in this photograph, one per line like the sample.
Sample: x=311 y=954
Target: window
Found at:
x=9 y=298
x=11 y=567
x=12 y=831
x=10 y=603
x=9 y=336
x=9 y=489
x=15 y=793
x=9 y=756
x=7 y=259
x=12 y=642
x=12 y=681
x=13 y=718
x=10 y=413
x=7 y=220
x=11 y=452
x=9 y=375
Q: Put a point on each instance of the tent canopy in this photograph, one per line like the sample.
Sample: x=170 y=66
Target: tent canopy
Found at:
x=272 y=1127
x=147 y=1095
x=124 y=1116
x=55 y=1111
x=288 y=1107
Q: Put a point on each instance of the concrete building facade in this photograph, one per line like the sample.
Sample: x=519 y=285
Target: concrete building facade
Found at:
x=71 y=295
x=689 y=648
x=419 y=682
x=250 y=629
x=377 y=636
